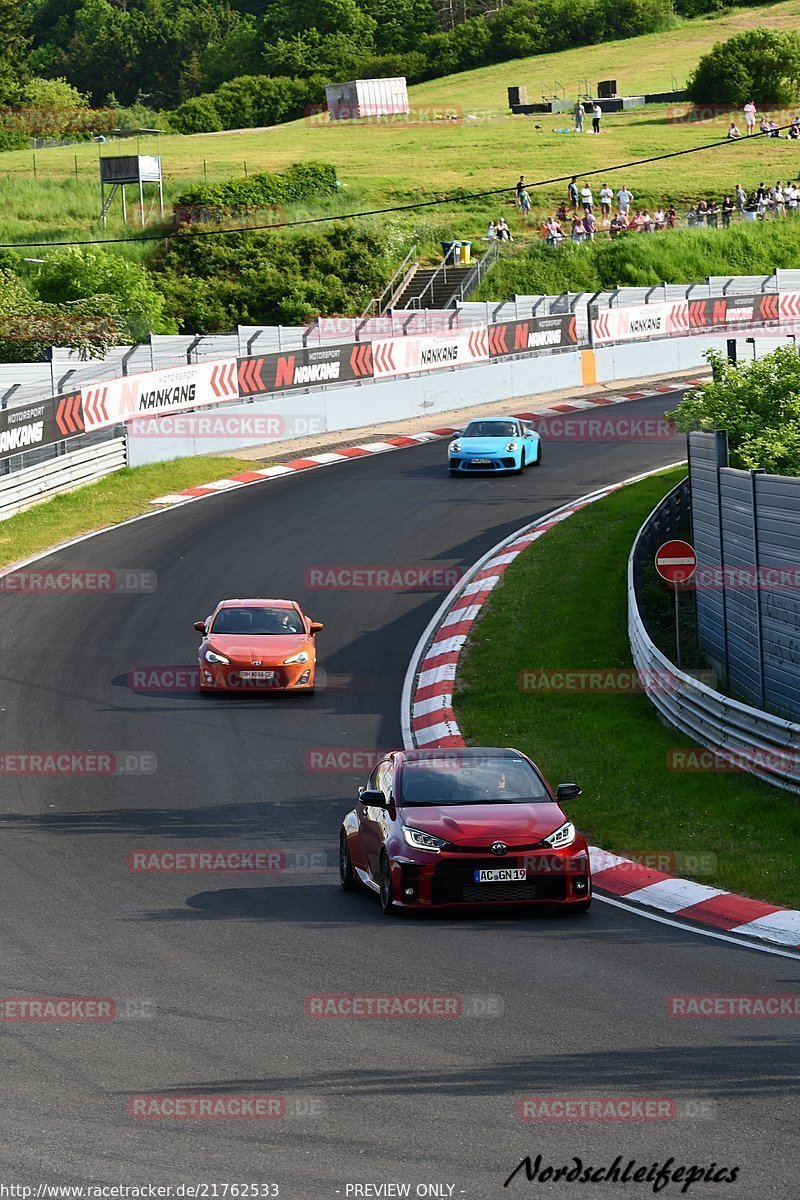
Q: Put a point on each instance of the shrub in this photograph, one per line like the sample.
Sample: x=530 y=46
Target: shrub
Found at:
x=270 y=277
x=300 y=181
x=756 y=65
x=80 y=274
x=759 y=405
x=198 y=114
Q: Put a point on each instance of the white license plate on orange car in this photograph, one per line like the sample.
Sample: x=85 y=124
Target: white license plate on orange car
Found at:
x=501 y=875
x=258 y=676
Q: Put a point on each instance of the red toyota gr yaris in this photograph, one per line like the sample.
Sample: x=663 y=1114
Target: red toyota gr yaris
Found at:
x=435 y=828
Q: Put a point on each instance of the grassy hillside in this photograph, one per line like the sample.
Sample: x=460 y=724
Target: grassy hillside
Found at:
x=387 y=163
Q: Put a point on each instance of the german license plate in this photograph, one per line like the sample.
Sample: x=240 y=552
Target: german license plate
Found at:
x=481 y=462
x=501 y=875
x=258 y=676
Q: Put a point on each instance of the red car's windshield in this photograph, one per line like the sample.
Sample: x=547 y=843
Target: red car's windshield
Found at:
x=485 y=781
x=257 y=621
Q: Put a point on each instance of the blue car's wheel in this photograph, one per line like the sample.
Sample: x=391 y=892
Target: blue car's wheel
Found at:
x=537 y=462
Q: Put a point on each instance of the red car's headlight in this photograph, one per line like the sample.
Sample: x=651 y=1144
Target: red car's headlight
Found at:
x=421 y=840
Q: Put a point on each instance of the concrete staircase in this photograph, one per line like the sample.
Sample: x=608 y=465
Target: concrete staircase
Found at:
x=445 y=287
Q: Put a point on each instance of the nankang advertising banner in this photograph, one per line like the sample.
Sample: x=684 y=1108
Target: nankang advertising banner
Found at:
x=537 y=333
x=41 y=423
x=640 y=321
x=429 y=352
x=194 y=386
x=310 y=366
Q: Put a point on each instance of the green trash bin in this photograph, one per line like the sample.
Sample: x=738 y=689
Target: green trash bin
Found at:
x=451 y=252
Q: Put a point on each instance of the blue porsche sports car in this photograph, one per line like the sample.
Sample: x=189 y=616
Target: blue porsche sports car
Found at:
x=494 y=444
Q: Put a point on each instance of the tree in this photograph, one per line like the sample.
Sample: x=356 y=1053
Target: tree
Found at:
x=78 y=274
x=29 y=327
x=758 y=404
x=14 y=48
x=759 y=65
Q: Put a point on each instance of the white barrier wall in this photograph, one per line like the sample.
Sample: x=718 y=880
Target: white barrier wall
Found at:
x=280 y=418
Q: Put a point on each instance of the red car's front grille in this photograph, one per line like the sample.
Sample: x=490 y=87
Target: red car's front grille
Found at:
x=454 y=883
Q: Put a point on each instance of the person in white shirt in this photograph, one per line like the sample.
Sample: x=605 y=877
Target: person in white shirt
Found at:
x=658 y=219
x=733 y=132
x=606 y=196
x=597 y=113
x=586 y=198
x=750 y=116
x=624 y=199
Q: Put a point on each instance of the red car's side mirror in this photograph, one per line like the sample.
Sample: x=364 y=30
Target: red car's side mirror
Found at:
x=316 y=626
x=200 y=626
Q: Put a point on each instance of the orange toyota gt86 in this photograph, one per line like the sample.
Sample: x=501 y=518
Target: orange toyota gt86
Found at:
x=258 y=645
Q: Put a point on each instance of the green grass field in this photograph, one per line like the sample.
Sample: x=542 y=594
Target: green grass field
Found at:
x=613 y=744
x=107 y=502
x=384 y=163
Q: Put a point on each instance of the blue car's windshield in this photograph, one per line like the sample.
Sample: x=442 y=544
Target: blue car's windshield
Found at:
x=458 y=780
x=491 y=429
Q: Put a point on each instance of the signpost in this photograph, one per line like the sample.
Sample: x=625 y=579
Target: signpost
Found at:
x=676 y=562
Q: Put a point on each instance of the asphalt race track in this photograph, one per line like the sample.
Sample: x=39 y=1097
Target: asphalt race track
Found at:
x=210 y=972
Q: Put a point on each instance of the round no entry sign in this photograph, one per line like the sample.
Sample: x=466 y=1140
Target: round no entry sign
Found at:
x=676 y=561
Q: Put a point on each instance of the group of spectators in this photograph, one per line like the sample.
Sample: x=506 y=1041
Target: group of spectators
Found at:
x=579 y=218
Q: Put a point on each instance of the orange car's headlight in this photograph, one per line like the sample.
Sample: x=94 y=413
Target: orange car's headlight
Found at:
x=302 y=657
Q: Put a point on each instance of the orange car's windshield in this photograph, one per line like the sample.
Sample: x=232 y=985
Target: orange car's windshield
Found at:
x=257 y=621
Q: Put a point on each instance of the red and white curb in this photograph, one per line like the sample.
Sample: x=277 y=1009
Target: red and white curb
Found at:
x=428 y=720
x=311 y=461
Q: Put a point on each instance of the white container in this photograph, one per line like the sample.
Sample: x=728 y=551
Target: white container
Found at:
x=362 y=99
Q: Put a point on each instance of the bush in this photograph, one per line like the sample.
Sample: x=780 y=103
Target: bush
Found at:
x=198 y=114
x=80 y=274
x=759 y=405
x=300 y=181
x=757 y=65
x=29 y=327
x=270 y=277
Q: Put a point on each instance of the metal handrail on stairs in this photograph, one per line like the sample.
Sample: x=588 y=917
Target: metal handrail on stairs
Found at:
x=379 y=304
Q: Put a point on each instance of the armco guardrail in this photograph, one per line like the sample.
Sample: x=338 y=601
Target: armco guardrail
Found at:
x=739 y=736
x=26 y=488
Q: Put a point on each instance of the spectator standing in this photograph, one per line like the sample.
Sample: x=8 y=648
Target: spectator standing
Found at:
x=624 y=200
x=672 y=217
x=597 y=113
x=606 y=196
x=702 y=212
x=572 y=192
x=578 y=228
x=792 y=197
x=712 y=214
x=659 y=219
x=578 y=114
x=750 y=117
x=778 y=200
x=741 y=200
x=525 y=205
x=520 y=188
x=589 y=224
x=586 y=198
x=618 y=224
x=561 y=213
x=727 y=212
